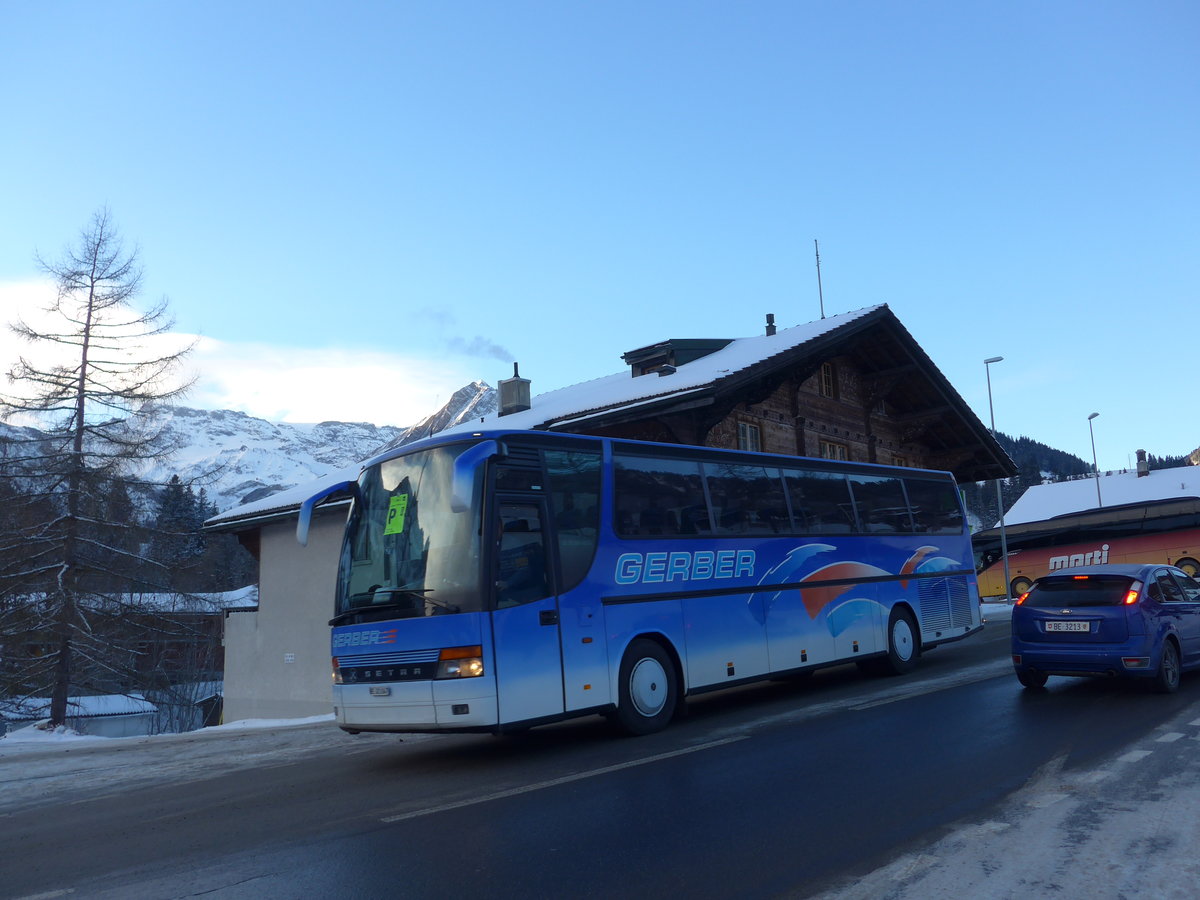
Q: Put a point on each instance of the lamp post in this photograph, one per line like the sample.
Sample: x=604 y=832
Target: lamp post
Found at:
x=1095 y=467
x=987 y=367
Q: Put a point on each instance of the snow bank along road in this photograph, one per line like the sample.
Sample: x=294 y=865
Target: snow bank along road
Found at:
x=1127 y=829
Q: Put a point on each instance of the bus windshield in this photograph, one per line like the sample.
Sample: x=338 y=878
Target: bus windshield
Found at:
x=406 y=553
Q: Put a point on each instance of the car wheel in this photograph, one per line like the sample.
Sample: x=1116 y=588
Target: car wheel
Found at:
x=1031 y=679
x=1166 y=681
x=647 y=688
x=1020 y=586
x=903 y=643
x=1189 y=565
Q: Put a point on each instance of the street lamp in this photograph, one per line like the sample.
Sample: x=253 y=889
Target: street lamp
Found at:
x=1091 y=431
x=987 y=367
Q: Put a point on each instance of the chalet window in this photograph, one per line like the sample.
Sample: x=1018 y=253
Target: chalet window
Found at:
x=829 y=385
x=834 y=450
x=749 y=437
x=899 y=460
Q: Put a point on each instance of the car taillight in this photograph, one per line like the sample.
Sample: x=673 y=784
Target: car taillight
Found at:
x=1135 y=590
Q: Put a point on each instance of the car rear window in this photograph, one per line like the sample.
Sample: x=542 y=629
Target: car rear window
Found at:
x=1071 y=590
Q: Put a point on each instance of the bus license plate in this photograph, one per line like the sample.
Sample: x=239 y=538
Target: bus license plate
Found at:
x=1068 y=626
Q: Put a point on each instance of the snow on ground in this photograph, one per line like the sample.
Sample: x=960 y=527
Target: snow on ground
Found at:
x=40 y=767
x=1127 y=829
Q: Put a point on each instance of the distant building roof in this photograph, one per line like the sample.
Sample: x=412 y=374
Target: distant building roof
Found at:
x=183 y=602
x=1048 y=501
x=1067 y=511
x=78 y=707
x=280 y=505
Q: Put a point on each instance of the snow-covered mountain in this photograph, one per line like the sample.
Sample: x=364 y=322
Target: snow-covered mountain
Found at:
x=238 y=458
x=473 y=401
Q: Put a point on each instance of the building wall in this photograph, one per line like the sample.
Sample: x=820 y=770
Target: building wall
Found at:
x=796 y=418
x=277 y=657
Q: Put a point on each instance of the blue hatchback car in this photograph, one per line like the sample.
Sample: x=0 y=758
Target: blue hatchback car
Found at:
x=1133 y=621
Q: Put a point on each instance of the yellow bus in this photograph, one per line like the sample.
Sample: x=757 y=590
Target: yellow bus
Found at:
x=1180 y=547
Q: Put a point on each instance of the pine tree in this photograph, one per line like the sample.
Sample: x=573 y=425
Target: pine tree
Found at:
x=77 y=532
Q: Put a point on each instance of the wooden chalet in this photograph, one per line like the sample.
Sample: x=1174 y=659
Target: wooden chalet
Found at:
x=855 y=386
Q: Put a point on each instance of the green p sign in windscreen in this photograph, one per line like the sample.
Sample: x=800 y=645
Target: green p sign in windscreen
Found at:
x=397 y=507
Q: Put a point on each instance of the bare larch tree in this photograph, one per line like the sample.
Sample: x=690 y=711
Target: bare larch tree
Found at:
x=71 y=544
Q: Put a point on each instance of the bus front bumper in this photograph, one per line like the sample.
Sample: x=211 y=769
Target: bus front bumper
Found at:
x=468 y=703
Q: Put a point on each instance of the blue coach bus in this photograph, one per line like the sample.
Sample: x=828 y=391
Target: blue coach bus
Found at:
x=495 y=580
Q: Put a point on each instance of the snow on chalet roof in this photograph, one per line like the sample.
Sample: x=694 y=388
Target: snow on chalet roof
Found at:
x=283 y=501
x=242 y=598
x=1045 y=501
x=579 y=401
x=621 y=390
x=174 y=601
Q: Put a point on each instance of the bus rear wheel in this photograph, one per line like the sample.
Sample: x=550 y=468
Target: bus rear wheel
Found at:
x=903 y=643
x=647 y=687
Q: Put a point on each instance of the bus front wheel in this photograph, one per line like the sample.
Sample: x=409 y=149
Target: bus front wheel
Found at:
x=648 y=689
x=1020 y=586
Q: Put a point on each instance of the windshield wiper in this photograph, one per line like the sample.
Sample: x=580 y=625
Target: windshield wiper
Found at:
x=411 y=593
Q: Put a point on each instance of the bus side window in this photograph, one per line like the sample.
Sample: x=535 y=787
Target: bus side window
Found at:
x=934 y=506
x=746 y=499
x=658 y=496
x=820 y=502
x=882 y=507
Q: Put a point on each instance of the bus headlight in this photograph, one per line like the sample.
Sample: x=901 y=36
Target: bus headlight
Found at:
x=460 y=662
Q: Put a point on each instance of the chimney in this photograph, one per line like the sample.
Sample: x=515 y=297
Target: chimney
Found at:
x=1143 y=467
x=770 y=324
x=514 y=393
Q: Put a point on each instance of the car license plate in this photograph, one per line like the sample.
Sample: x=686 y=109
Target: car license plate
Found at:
x=1068 y=626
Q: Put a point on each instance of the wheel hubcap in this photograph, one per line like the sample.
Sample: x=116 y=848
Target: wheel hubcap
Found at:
x=902 y=639
x=648 y=687
x=1170 y=667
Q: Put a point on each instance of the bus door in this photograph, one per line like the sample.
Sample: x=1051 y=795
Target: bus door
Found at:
x=525 y=621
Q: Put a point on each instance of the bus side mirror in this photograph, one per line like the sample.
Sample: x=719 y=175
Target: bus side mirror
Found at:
x=307 y=507
x=462 y=488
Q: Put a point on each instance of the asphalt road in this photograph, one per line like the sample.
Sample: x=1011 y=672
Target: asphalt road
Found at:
x=779 y=789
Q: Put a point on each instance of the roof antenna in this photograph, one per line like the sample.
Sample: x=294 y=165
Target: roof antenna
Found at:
x=820 y=293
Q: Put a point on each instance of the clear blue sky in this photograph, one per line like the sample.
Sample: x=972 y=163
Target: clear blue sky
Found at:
x=364 y=206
